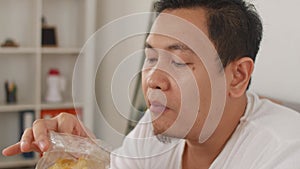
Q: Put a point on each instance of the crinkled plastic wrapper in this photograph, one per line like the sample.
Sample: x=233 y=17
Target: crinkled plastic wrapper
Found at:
x=74 y=152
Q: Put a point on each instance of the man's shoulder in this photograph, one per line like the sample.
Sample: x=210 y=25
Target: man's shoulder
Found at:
x=268 y=136
x=282 y=122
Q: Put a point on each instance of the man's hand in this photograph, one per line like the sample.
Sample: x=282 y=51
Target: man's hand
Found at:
x=37 y=139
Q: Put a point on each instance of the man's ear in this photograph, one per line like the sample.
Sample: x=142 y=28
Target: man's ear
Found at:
x=240 y=71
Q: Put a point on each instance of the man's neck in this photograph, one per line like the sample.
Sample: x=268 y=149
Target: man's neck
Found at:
x=196 y=156
x=201 y=156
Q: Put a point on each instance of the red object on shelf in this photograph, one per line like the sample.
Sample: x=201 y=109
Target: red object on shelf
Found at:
x=54 y=72
x=49 y=113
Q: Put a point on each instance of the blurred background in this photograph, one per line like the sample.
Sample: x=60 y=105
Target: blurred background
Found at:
x=41 y=40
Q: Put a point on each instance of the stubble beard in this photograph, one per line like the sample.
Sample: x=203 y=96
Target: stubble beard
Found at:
x=163 y=137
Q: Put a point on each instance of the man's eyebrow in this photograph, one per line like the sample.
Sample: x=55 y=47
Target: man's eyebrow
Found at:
x=178 y=46
x=175 y=46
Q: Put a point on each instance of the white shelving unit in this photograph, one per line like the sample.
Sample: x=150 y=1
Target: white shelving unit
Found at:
x=28 y=64
x=20 y=50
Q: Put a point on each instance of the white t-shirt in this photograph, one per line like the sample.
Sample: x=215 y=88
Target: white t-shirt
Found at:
x=268 y=137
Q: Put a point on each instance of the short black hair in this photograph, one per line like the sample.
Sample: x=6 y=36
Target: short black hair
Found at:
x=234 y=26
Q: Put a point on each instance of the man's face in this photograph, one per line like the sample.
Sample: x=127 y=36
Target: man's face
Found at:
x=175 y=81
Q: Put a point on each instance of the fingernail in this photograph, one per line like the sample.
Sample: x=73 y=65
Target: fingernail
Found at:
x=23 y=145
x=42 y=145
x=4 y=152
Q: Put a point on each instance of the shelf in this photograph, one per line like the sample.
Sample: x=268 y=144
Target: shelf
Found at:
x=59 y=105
x=48 y=50
x=55 y=50
x=16 y=161
x=16 y=107
x=17 y=50
x=28 y=64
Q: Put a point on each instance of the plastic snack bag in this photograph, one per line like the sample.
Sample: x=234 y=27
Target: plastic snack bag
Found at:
x=74 y=152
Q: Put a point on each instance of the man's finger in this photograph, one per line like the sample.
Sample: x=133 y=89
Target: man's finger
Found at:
x=12 y=150
x=40 y=132
x=65 y=123
x=26 y=140
x=68 y=123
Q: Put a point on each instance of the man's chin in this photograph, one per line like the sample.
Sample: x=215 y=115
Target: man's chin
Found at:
x=166 y=133
x=157 y=132
x=163 y=135
x=165 y=138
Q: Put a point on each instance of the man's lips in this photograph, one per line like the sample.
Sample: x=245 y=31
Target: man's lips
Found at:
x=157 y=107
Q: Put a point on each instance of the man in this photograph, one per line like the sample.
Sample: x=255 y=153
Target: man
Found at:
x=200 y=115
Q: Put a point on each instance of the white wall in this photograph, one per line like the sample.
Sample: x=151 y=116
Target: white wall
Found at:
x=111 y=124
x=277 y=71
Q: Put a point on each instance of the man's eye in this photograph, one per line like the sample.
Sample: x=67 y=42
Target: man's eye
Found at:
x=151 y=55
x=179 y=64
x=151 y=60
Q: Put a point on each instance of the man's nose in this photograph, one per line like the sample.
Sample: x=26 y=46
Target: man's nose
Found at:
x=158 y=79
